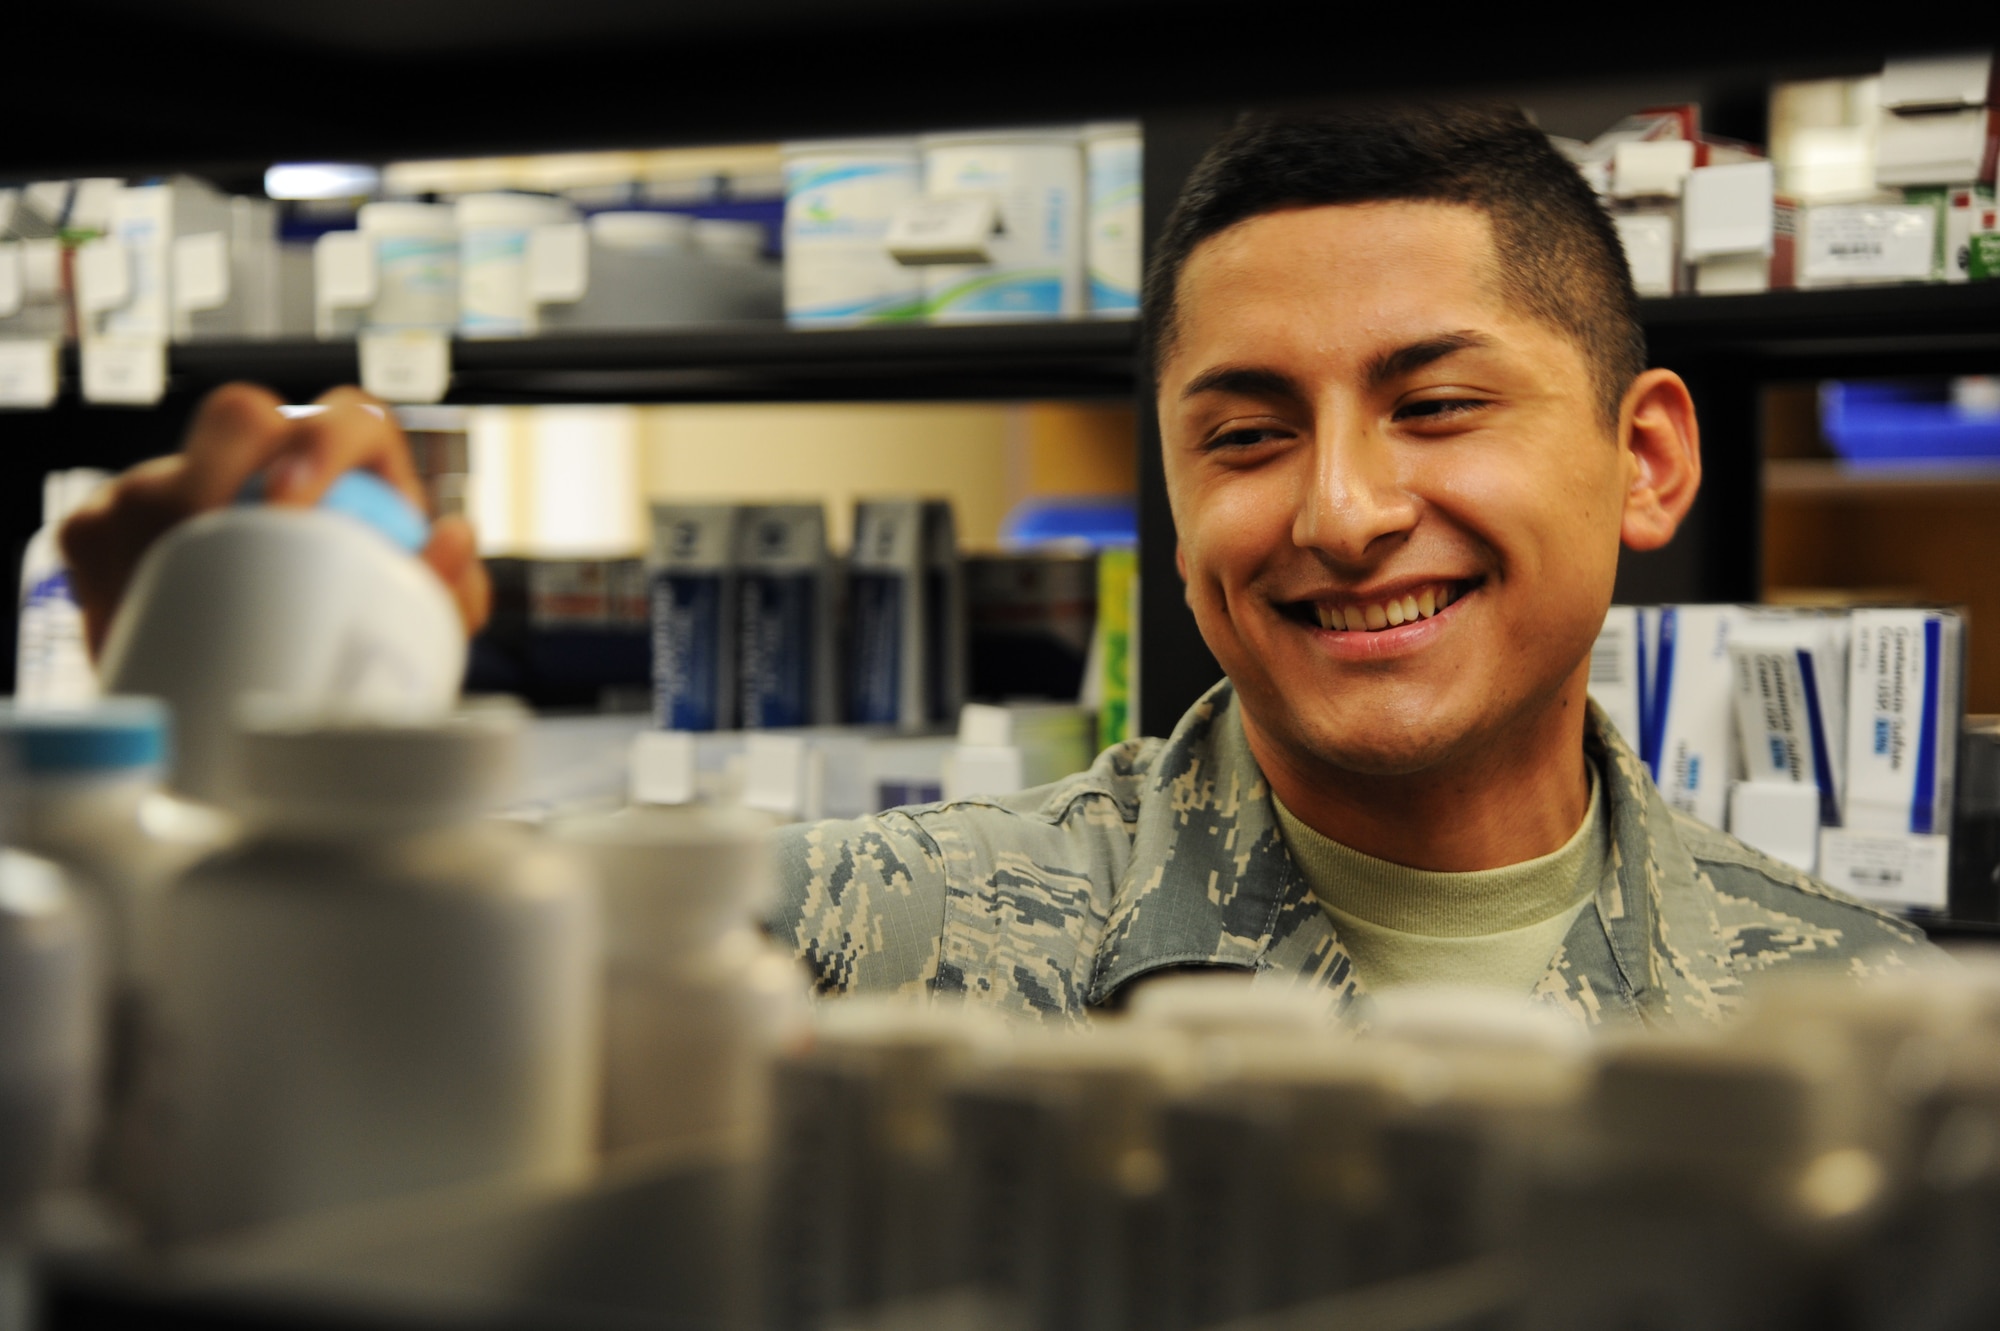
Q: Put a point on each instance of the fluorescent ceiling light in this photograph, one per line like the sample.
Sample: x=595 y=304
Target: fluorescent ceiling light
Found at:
x=320 y=180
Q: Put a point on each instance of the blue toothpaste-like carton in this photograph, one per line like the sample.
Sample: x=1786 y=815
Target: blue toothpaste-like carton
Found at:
x=785 y=620
x=906 y=615
x=693 y=594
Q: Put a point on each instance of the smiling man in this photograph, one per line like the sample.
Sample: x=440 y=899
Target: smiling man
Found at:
x=1408 y=426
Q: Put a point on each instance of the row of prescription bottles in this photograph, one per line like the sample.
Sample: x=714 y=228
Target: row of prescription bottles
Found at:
x=1827 y=739
x=348 y=980
x=1028 y=224
x=177 y=260
x=1886 y=178
x=1230 y=1153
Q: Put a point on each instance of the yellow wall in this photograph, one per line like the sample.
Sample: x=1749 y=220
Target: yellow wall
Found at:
x=985 y=458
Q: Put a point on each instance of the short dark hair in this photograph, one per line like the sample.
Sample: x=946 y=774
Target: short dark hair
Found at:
x=1559 y=254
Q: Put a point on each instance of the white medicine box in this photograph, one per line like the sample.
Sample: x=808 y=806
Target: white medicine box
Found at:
x=1726 y=210
x=1650 y=252
x=1651 y=168
x=1934 y=126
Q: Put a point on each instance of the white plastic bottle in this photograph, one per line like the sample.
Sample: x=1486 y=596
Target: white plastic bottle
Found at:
x=840 y=196
x=80 y=788
x=318 y=607
x=52 y=660
x=697 y=1001
x=379 y=990
x=496 y=233
x=47 y=1053
x=1035 y=179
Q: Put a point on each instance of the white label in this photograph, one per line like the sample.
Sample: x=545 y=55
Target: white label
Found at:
x=558 y=263
x=1648 y=239
x=103 y=275
x=777 y=776
x=11 y=285
x=407 y=365
x=1872 y=242
x=837 y=211
x=955 y=228
x=41 y=269
x=201 y=271
x=1614 y=671
x=344 y=270
x=1890 y=868
x=29 y=373
x=124 y=371
x=663 y=767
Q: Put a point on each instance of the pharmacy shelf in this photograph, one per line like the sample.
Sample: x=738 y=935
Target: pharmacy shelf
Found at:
x=735 y=364
x=1883 y=330
x=1826 y=478
x=1933 y=329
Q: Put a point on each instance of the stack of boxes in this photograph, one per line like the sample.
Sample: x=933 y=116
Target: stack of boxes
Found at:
x=1827 y=740
x=1885 y=179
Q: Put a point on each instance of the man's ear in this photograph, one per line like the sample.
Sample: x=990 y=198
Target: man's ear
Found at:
x=1662 y=453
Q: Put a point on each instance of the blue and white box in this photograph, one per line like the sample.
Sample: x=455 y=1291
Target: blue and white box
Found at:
x=1618 y=672
x=692 y=577
x=1790 y=683
x=1904 y=705
x=785 y=622
x=906 y=615
x=1689 y=731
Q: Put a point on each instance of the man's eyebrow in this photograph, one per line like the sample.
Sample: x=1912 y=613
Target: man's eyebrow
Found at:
x=1414 y=356
x=1244 y=382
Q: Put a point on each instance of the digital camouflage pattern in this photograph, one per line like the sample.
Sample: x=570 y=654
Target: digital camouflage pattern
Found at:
x=1167 y=853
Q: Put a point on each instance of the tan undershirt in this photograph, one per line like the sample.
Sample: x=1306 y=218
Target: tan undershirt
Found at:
x=1494 y=928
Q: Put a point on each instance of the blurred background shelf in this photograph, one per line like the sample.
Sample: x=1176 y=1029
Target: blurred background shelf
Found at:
x=1836 y=332
x=1818 y=478
x=1863 y=330
x=724 y=364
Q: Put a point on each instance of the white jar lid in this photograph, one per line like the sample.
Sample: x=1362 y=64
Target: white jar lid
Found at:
x=905 y=148
x=726 y=239
x=1110 y=129
x=638 y=230
x=483 y=210
x=406 y=219
x=1060 y=136
x=319 y=773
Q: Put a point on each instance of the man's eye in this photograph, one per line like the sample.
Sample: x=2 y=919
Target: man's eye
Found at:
x=1241 y=439
x=1438 y=408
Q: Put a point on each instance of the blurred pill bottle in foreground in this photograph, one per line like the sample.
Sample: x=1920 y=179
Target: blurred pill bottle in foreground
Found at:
x=379 y=990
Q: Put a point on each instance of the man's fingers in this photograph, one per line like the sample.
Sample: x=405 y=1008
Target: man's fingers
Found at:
x=236 y=430
x=453 y=553
x=354 y=431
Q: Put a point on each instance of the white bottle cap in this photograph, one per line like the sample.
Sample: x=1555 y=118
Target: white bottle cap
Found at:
x=406 y=219
x=312 y=772
x=642 y=231
x=507 y=210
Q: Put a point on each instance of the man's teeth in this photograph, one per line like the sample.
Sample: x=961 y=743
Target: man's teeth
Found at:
x=1387 y=613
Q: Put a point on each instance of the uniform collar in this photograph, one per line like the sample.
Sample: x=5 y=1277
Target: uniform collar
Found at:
x=1210 y=883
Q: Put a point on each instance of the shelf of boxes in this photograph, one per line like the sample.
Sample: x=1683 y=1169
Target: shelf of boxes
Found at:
x=1935 y=328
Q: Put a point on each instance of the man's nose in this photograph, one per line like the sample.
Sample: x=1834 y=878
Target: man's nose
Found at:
x=1357 y=500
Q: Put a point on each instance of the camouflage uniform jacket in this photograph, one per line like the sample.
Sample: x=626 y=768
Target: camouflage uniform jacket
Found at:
x=1167 y=853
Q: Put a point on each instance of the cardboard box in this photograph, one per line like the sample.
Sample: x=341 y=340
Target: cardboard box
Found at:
x=1691 y=725
x=1651 y=250
x=1849 y=244
x=1789 y=681
x=1904 y=702
x=785 y=647
x=692 y=568
x=1726 y=211
x=906 y=615
x=1618 y=673
x=1936 y=124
